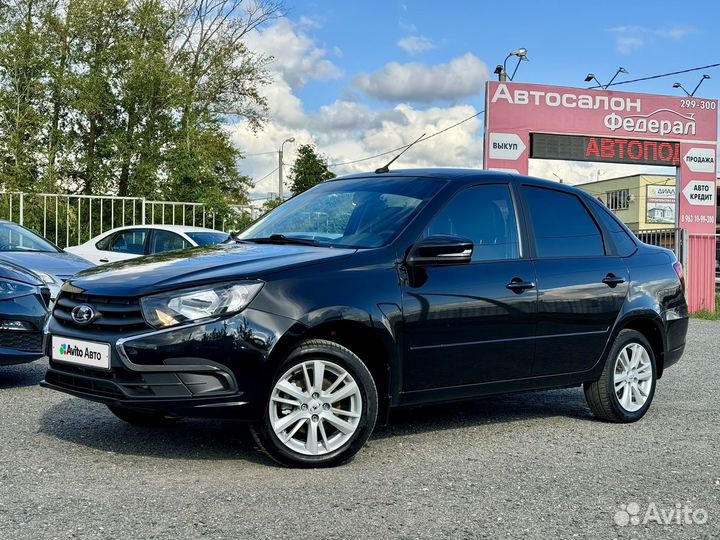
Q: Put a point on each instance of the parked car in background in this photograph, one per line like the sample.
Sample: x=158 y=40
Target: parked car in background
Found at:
x=129 y=242
x=377 y=291
x=24 y=302
x=31 y=251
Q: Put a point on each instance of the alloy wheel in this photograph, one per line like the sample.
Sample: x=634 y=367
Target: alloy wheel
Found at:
x=633 y=377
x=315 y=407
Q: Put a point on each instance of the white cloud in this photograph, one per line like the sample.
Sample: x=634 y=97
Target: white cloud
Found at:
x=347 y=129
x=297 y=58
x=627 y=45
x=630 y=38
x=416 y=44
x=418 y=83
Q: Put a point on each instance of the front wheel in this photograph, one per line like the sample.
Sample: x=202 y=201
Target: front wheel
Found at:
x=321 y=409
x=627 y=384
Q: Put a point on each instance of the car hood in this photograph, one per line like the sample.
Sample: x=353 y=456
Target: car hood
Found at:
x=196 y=266
x=12 y=271
x=62 y=265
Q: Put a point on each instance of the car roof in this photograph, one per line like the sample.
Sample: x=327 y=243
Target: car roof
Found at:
x=171 y=228
x=463 y=176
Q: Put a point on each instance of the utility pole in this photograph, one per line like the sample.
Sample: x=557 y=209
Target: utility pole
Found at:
x=280 y=178
x=280 y=166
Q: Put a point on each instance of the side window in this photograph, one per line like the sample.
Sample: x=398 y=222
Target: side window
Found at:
x=167 y=241
x=624 y=243
x=485 y=215
x=132 y=242
x=563 y=227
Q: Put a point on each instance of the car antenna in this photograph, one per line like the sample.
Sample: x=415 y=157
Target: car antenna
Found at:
x=386 y=168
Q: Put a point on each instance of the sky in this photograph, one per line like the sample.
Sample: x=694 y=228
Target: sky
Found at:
x=358 y=78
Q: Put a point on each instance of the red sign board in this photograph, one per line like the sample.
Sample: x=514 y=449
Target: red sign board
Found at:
x=514 y=111
x=551 y=122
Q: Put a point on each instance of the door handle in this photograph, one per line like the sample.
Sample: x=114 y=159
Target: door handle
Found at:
x=518 y=285
x=104 y=260
x=611 y=280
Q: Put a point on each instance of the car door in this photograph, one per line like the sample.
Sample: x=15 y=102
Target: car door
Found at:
x=581 y=286
x=472 y=323
x=163 y=241
x=122 y=245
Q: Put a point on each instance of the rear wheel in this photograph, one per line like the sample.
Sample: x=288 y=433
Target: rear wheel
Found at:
x=627 y=384
x=143 y=418
x=321 y=409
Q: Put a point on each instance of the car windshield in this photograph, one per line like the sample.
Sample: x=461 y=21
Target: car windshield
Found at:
x=357 y=213
x=13 y=237
x=208 y=238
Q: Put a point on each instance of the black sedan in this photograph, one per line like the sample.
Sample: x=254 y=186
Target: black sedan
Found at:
x=24 y=301
x=372 y=292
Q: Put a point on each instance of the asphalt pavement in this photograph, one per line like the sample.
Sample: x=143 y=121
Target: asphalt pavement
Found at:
x=524 y=466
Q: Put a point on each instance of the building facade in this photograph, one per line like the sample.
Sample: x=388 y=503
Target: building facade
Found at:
x=643 y=201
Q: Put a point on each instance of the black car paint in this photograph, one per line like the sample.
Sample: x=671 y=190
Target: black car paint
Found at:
x=371 y=301
x=30 y=308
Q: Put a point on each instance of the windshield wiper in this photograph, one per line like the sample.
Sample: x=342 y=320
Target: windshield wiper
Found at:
x=280 y=239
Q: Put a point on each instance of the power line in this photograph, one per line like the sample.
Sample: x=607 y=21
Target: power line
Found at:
x=656 y=76
x=268 y=174
x=260 y=154
x=333 y=165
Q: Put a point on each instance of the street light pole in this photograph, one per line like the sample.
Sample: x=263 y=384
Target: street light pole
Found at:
x=280 y=166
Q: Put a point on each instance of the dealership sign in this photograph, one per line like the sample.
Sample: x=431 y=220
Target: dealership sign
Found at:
x=524 y=121
x=700 y=160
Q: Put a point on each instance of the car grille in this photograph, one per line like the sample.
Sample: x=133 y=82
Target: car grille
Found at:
x=21 y=341
x=115 y=314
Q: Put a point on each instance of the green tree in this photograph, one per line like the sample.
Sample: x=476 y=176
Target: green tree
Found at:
x=271 y=204
x=24 y=45
x=310 y=169
x=129 y=97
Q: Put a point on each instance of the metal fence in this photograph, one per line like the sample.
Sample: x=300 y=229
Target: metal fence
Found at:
x=667 y=238
x=701 y=269
x=69 y=220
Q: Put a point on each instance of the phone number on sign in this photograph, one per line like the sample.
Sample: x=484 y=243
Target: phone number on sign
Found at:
x=698 y=104
x=697 y=219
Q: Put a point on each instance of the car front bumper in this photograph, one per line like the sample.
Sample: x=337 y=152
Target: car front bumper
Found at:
x=215 y=368
x=21 y=346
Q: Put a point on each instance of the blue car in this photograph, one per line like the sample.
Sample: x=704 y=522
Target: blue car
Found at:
x=24 y=302
x=24 y=248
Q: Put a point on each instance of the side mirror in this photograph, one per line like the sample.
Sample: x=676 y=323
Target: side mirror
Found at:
x=441 y=250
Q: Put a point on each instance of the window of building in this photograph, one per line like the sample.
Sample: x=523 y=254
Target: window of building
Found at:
x=618 y=199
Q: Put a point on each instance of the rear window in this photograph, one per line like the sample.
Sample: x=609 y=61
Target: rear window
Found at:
x=563 y=226
x=624 y=244
x=207 y=238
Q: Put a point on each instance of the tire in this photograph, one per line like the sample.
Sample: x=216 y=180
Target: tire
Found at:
x=626 y=387
x=143 y=418
x=318 y=423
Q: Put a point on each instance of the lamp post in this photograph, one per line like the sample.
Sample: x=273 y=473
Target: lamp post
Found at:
x=691 y=94
x=280 y=166
x=501 y=71
x=591 y=77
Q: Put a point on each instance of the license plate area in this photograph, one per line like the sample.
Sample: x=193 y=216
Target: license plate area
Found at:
x=80 y=352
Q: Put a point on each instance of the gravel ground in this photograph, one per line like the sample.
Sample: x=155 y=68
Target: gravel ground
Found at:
x=531 y=465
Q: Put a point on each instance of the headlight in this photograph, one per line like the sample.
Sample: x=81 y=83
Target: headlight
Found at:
x=49 y=279
x=177 y=307
x=13 y=289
